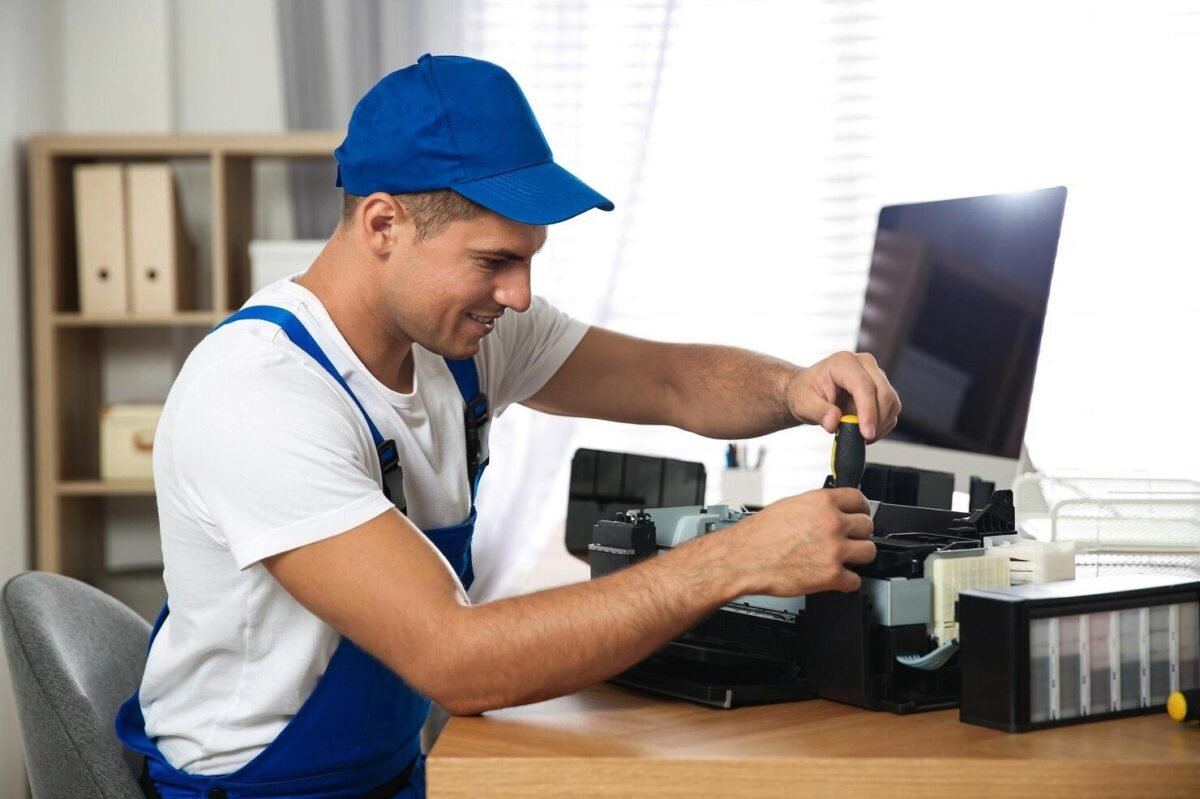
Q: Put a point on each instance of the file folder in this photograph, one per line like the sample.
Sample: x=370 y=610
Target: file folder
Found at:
x=160 y=254
x=101 y=239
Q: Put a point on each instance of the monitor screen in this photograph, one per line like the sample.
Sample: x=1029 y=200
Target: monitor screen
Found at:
x=956 y=301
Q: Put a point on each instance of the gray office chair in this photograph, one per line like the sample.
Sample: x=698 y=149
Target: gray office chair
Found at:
x=75 y=654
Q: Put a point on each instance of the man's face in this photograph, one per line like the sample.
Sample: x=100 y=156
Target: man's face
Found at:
x=453 y=287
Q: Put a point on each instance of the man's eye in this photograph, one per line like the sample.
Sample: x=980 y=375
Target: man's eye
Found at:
x=492 y=263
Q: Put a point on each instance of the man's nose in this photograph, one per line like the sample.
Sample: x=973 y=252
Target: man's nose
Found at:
x=513 y=290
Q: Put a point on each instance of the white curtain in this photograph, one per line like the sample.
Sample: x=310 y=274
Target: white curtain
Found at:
x=332 y=51
x=747 y=186
x=780 y=129
x=592 y=72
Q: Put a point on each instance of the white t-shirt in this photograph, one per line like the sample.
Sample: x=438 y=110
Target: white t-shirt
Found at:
x=260 y=451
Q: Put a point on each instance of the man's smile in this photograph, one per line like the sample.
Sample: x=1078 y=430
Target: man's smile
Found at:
x=485 y=322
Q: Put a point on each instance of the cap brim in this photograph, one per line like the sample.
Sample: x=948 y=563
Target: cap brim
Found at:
x=536 y=195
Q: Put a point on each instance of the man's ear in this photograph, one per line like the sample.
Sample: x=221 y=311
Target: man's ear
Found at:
x=384 y=223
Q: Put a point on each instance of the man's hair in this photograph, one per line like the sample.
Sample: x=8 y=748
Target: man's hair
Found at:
x=431 y=211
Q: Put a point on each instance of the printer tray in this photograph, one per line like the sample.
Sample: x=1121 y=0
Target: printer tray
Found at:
x=711 y=678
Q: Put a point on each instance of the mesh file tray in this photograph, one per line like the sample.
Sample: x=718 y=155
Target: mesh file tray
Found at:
x=1117 y=524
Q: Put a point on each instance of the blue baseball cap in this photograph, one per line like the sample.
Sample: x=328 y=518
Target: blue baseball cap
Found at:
x=450 y=122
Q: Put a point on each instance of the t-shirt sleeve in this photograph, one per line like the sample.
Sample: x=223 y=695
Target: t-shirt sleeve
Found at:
x=271 y=458
x=525 y=351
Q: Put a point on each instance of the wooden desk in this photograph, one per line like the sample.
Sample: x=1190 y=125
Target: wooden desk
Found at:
x=610 y=741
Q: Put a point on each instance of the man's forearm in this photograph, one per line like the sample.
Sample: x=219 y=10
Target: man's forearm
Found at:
x=533 y=647
x=715 y=391
x=727 y=392
x=384 y=586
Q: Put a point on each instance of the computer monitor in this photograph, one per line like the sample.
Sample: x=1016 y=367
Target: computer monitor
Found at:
x=955 y=305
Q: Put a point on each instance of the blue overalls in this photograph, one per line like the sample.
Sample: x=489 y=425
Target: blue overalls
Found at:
x=358 y=733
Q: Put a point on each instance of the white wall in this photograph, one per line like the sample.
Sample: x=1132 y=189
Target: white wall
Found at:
x=29 y=88
x=116 y=73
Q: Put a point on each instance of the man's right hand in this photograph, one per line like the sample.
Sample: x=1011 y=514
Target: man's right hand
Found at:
x=801 y=544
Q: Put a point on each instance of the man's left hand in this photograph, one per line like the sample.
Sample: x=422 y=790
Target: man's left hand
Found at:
x=845 y=383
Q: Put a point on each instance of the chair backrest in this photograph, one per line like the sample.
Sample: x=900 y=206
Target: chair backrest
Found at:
x=75 y=654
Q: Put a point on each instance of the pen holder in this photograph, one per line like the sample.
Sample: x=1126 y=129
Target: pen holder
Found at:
x=741 y=486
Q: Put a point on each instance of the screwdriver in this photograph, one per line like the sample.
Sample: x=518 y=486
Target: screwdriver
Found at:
x=849 y=457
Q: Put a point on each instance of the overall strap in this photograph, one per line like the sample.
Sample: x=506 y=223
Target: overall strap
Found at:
x=475 y=415
x=389 y=457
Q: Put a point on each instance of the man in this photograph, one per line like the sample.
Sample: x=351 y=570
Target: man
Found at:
x=318 y=455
